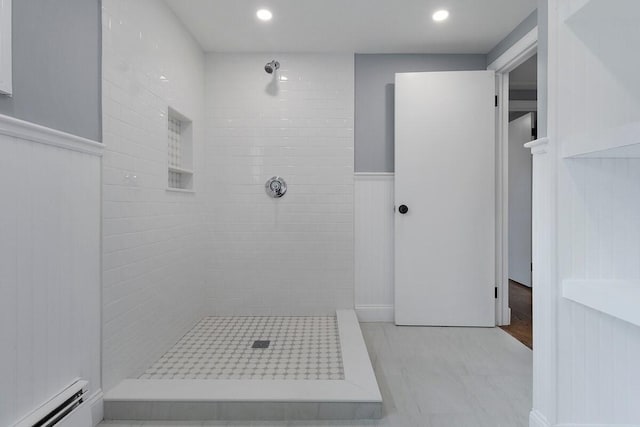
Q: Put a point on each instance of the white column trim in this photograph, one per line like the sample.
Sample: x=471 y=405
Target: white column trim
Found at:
x=545 y=240
x=28 y=131
x=544 y=280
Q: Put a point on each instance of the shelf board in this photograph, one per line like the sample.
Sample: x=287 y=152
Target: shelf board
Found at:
x=180 y=170
x=616 y=298
x=180 y=190
x=619 y=142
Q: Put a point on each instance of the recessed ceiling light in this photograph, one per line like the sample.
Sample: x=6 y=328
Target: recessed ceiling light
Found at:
x=264 y=15
x=440 y=15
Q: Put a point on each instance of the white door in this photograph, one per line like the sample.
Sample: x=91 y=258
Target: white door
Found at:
x=520 y=132
x=445 y=178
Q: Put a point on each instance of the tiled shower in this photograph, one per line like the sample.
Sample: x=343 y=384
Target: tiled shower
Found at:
x=194 y=273
x=292 y=255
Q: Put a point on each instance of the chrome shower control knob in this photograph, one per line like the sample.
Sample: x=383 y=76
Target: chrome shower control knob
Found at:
x=275 y=187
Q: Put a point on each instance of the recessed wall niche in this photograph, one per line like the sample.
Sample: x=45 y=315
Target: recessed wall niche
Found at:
x=179 y=151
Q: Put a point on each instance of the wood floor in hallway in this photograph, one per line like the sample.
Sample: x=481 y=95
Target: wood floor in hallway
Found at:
x=521 y=304
x=433 y=377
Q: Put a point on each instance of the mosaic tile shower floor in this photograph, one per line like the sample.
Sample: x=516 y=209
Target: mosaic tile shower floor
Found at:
x=220 y=348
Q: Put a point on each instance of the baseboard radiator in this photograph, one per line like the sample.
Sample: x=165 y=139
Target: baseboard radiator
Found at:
x=65 y=409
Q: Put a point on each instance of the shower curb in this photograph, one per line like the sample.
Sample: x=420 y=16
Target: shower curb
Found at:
x=238 y=411
x=356 y=397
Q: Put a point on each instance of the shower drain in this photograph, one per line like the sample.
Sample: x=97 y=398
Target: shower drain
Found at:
x=261 y=344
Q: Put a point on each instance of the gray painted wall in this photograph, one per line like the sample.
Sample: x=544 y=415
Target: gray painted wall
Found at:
x=523 y=28
x=374 y=94
x=56 y=65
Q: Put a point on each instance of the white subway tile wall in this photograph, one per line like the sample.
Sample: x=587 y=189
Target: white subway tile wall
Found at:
x=293 y=255
x=154 y=241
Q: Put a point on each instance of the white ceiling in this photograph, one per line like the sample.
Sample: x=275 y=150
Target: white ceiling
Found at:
x=362 y=26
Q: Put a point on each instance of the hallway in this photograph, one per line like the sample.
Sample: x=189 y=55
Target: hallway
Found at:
x=520 y=301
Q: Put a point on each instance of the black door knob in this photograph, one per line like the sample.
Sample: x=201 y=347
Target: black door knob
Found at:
x=403 y=209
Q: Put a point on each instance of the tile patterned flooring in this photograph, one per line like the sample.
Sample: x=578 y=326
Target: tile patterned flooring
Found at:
x=432 y=377
x=217 y=348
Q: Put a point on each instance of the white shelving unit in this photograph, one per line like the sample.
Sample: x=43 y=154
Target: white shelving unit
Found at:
x=599 y=109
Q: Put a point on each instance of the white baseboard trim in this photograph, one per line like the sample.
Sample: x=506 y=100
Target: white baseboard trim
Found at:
x=96 y=403
x=365 y=175
x=537 y=419
x=375 y=313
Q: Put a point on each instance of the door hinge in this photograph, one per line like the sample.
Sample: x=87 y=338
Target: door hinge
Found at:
x=496 y=292
x=531 y=266
x=496 y=98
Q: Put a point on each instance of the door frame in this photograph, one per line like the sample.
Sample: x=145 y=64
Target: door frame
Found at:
x=521 y=50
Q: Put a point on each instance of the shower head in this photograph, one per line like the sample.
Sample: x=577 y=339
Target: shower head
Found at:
x=272 y=66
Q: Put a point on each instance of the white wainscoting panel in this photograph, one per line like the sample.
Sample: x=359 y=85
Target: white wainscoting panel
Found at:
x=374 y=246
x=49 y=265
